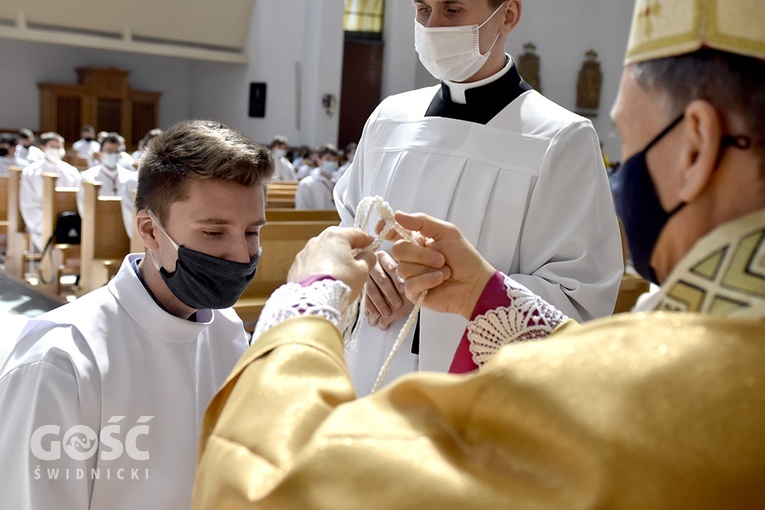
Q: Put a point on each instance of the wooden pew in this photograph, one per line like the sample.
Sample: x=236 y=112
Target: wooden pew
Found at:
x=104 y=240
x=281 y=242
x=281 y=195
x=630 y=289
x=632 y=286
x=18 y=239
x=287 y=214
x=3 y=212
x=283 y=186
x=64 y=258
x=280 y=202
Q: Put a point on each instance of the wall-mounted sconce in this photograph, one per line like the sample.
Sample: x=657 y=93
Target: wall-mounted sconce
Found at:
x=329 y=101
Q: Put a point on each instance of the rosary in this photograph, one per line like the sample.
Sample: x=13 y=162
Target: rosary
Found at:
x=363 y=212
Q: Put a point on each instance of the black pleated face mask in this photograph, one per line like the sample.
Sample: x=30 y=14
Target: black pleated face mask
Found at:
x=204 y=281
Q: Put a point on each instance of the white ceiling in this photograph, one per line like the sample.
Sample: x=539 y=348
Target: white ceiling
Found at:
x=209 y=24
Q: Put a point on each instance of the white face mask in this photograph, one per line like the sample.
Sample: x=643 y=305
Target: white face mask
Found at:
x=452 y=53
x=110 y=160
x=54 y=154
x=329 y=167
x=279 y=153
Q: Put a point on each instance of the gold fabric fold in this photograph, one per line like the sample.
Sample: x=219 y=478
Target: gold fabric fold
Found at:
x=661 y=410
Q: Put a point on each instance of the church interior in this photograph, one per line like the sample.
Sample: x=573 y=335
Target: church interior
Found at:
x=309 y=71
x=360 y=254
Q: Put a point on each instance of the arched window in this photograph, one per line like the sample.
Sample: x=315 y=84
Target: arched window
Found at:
x=364 y=18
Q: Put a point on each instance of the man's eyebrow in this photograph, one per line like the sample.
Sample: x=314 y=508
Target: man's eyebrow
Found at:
x=224 y=222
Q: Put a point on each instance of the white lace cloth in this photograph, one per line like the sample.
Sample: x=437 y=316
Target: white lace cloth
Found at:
x=526 y=317
x=326 y=298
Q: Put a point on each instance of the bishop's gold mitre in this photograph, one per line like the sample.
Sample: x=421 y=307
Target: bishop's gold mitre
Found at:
x=666 y=28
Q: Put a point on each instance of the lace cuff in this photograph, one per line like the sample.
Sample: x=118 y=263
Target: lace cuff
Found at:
x=508 y=312
x=326 y=298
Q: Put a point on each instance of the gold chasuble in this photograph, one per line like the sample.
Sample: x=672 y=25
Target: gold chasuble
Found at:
x=646 y=410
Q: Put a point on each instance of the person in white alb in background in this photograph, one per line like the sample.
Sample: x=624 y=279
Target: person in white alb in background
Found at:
x=137 y=154
x=315 y=191
x=9 y=156
x=86 y=147
x=26 y=148
x=116 y=180
x=522 y=177
x=350 y=152
x=31 y=187
x=102 y=399
x=283 y=169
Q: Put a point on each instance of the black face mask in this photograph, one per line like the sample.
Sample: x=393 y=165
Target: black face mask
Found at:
x=3 y=152
x=639 y=208
x=88 y=138
x=638 y=205
x=203 y=281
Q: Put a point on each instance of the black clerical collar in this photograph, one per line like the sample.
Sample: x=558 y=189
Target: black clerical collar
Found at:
x=483 y=102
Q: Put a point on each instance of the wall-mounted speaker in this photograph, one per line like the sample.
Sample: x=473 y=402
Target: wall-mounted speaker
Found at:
x=257 y=99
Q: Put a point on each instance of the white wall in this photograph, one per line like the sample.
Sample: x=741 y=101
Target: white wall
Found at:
x=284 y=34
x=25 y=64
x=287 y=33
x=563 y=31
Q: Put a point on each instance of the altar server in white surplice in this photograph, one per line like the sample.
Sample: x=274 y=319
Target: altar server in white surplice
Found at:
x=522 y=177
x=101 y=400
x=31 y=186
x=115 y=179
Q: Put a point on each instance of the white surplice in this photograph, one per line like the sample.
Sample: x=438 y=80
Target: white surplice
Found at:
x=31 y=192
x=528 y=189
x=117 y=182
x=114 y=366
x=315 y=192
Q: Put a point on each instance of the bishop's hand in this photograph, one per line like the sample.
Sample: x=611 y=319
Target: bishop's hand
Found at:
x=336 y=252
x=441 y=261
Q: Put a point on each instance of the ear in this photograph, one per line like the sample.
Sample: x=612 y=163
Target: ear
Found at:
x=512 y=12
x=703 y=132
x=146 y=230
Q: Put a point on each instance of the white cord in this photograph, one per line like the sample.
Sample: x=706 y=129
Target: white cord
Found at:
x=363 y=213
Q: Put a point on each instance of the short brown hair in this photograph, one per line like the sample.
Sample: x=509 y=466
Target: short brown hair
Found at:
x=197 y=149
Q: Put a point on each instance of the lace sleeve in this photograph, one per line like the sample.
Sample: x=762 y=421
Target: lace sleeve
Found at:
x=515 y=315
x=326 y=298
x=525 y=316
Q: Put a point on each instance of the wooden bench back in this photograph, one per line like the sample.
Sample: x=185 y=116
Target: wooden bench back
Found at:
x=286 y=214
x=18 y=239
x=13 y=209
x=281 y=242
x=104 y=240
x=3 y=198
x=55 y=201
x=281 y=195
